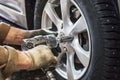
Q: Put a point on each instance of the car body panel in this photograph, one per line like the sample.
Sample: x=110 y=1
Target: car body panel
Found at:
x=14 y=11
x=119 y=5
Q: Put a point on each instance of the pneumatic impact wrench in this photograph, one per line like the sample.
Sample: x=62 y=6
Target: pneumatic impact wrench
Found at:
x=50 y=40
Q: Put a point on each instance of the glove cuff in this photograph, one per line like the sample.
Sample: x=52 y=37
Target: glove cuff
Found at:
x=4 y=29
x=11 y=63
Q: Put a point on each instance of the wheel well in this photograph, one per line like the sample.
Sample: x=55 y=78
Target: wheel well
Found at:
x=30 y=5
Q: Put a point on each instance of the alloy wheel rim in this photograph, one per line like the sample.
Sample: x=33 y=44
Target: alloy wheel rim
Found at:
x=77 y=57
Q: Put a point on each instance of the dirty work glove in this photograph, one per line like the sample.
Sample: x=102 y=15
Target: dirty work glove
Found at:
x=8 y=61
x=41 y=57
x=32 y=33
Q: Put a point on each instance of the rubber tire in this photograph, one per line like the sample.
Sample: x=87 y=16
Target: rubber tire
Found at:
x=40 y=4
x=103 y=21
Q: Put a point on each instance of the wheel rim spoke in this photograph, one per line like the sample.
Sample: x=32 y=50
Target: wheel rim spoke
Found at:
x=49 y=9
x=80 y=26
x=65 y=5
x=82 y=55
x=70 y=67
x=46 y=22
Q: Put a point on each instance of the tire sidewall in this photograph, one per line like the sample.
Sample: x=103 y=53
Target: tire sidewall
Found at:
x=95 y=68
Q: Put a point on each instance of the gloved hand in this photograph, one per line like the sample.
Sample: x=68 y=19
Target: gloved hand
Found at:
x=41 y=57
x=32 y=33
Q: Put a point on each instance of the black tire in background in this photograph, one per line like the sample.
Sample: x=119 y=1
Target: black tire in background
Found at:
x=40 y=4
x=103 y=21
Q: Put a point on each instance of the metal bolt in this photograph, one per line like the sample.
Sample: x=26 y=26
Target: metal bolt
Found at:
x=65 y=49
x=37 y=78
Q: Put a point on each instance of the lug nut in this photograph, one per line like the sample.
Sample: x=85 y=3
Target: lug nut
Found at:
x=65 y=49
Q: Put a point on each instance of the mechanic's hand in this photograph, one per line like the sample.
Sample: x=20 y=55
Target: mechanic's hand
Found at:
x=41 y=57
x=32 y=33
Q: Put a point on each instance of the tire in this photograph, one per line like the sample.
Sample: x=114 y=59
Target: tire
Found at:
x=102 y=19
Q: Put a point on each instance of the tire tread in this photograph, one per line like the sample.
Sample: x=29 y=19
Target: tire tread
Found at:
x=109 y=19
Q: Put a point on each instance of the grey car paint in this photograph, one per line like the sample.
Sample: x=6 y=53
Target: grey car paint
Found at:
x=14 y=10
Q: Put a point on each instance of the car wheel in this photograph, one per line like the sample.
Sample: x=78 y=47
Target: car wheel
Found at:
x=94 y=52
